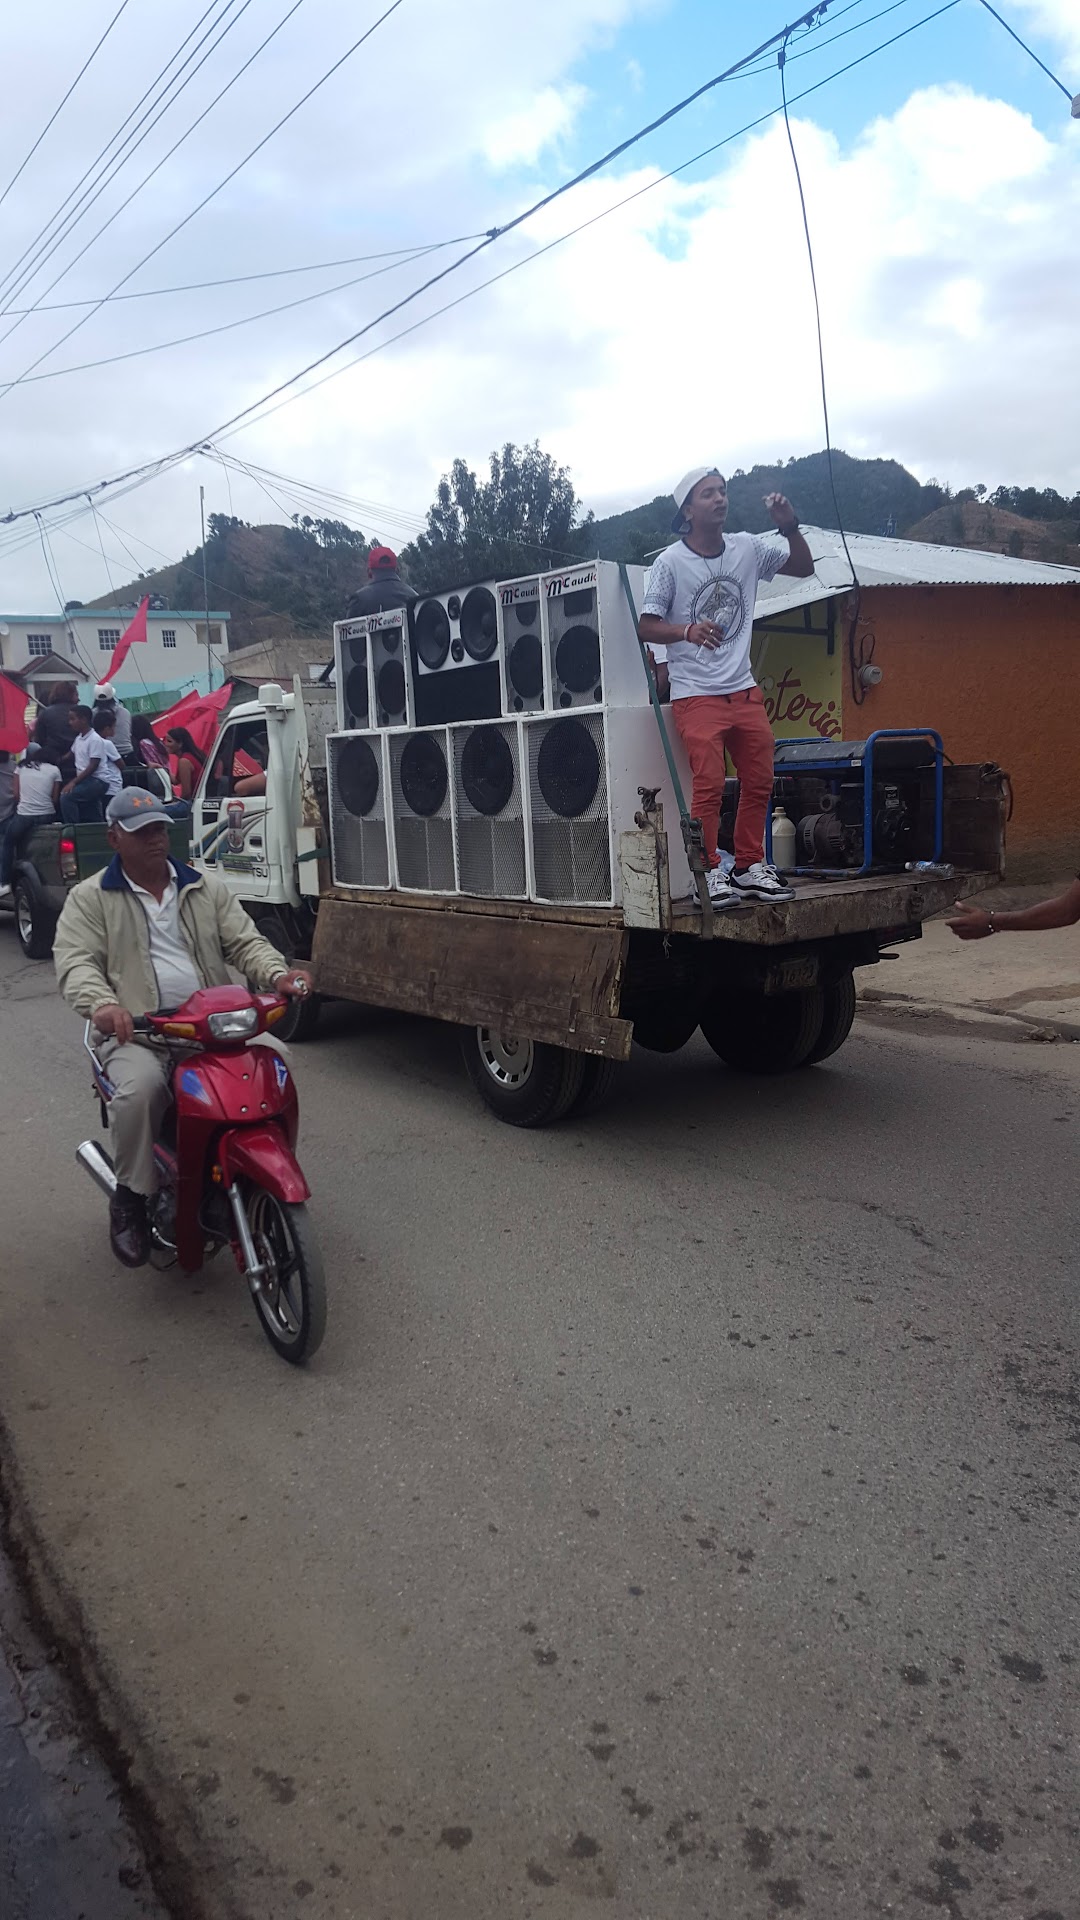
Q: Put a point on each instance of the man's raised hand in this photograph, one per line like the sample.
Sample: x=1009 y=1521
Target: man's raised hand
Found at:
x=782 y=511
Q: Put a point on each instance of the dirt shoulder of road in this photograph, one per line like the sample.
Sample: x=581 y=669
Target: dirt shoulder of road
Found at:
x=1020 y=986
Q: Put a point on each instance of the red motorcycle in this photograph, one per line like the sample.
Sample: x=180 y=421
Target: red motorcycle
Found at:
x=227 y=1167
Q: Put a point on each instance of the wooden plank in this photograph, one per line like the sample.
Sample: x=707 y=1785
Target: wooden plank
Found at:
x=542 y=980
x=821 y=910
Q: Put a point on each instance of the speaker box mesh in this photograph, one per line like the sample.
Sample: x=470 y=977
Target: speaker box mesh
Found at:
x=489 y=808
x=571 y=838
x=422 y=810
x=359 y=845
x=388 y=669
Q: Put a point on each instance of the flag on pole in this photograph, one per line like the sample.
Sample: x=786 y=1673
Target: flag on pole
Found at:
x=132 y=634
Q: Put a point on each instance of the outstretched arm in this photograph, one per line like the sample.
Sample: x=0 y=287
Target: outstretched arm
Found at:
x=800 y=560
x=975 y=923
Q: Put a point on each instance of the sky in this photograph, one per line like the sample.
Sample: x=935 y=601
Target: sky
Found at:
x=942 y=183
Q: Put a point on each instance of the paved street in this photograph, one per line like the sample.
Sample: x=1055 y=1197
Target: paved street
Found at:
x=681 y=1514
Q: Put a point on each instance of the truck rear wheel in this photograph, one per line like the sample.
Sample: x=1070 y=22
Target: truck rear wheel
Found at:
x=765 y=1033
x=524 y=1082
x=599 y=1083
x=836 y=1020
x=35 y=921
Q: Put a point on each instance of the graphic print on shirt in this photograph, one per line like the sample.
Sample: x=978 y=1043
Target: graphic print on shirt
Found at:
x=721 y=600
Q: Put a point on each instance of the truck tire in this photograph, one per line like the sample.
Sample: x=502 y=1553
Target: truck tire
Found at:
x=601 y=1079
x=663 y=1026
x=836 y=1022
x=35 y=921
x=523 y=1082
x=764 y=1033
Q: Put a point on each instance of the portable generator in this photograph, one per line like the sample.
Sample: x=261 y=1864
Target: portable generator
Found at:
x=862 y=806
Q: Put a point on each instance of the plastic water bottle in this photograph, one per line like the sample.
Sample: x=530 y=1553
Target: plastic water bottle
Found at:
x=940 y=868
x=783 y=840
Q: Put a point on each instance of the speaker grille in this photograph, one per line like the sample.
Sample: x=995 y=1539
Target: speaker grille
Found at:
x=359 y=846
x=574 y=632
x=388 y=675
x=489 y=811
x=422 y=808
x=571 y=839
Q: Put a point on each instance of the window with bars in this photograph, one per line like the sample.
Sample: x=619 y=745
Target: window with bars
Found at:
x=38 y=645
x=168 y=636
x=107 y=638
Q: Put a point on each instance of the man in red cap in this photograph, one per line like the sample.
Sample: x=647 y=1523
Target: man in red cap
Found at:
x=385 y=587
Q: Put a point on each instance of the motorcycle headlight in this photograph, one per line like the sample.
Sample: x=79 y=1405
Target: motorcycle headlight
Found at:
x=234 y=1026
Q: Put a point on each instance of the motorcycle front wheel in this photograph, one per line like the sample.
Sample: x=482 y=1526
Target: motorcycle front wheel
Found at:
x=291 y=1302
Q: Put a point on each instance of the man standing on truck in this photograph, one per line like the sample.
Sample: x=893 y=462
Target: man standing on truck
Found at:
x=385 y=587
x=145 y=934
x=699 y=608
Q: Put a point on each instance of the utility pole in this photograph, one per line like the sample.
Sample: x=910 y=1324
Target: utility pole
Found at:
x=206 y=594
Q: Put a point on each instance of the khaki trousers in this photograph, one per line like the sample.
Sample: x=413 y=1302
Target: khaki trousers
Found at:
x=140 y=1077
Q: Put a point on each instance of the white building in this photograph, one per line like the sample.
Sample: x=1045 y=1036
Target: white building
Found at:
x=79 y=646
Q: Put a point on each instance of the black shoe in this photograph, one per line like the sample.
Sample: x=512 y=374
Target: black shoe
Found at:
x=128 y=1231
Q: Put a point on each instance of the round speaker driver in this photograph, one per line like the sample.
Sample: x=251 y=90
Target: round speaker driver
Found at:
x=568 y=768
x=577 y=659
x=423 y=775
x=356 y=694
x=390 y=687
x=358 y=648
x=479 y=623
x=431 y=634
x=357 y=777
x=487 y=770
x=525 y=667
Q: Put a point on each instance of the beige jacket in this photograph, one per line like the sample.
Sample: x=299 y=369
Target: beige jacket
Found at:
x=102 y=946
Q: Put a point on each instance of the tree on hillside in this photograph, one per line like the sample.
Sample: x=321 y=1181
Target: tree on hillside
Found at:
x=523 y=518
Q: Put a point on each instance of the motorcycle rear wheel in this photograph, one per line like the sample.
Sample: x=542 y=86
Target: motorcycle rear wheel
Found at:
x=291 y=1303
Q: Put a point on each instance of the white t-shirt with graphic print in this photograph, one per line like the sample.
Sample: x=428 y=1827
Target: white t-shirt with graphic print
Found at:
x=685 y=586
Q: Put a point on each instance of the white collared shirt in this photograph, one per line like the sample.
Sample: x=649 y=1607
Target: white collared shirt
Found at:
x=170 y=955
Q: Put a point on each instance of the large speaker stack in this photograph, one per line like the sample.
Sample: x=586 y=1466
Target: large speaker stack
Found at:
x=493 y=741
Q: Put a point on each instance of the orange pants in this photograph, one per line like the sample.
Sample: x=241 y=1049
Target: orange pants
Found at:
x=711 y=724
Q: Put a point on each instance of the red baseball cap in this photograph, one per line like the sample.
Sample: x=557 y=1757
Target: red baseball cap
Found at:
x=380 y=557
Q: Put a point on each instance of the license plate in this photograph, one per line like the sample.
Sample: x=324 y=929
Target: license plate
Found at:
x=789 y=976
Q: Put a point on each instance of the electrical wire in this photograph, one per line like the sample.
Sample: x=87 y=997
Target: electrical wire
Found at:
x=138 y=475
x=858 y=692
x=1030 y=51
x=54 y=581
x=222 y=184
x=448 y=307
x=241 y=279
x=829 y=40
x=186 y=135
x=43 y=239
x=224 y=326
x=57 y=111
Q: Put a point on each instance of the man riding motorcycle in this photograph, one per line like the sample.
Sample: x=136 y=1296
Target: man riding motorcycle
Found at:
x=142 y=935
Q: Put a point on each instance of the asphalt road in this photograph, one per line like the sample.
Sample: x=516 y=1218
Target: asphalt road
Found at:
x=679 y=1521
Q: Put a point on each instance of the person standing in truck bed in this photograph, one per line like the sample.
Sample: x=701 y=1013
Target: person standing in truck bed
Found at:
x=385 y=586
x=699 y=607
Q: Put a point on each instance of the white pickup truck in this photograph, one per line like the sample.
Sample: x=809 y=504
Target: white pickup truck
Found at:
x=549 y=998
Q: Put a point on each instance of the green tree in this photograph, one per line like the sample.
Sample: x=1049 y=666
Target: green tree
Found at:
x=524 y=518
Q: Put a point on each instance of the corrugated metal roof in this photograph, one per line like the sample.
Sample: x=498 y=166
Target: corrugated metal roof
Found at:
x=881 y=562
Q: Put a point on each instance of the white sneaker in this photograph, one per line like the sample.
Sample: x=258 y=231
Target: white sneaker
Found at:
x=760 y=882
x=721 y=893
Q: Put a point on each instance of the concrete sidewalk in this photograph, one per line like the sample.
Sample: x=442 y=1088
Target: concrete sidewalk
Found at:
x=1026 y=983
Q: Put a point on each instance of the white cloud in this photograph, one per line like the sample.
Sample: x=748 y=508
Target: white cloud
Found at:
x=540 y=122
x=1059 y=20
x=679 y=328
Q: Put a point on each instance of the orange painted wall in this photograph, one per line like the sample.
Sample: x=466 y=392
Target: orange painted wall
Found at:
x=997 y=671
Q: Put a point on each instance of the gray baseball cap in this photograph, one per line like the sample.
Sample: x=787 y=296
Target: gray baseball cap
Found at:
x=133 y=808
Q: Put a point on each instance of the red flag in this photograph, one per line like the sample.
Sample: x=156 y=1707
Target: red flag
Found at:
x=136 y=631
x=13 y=703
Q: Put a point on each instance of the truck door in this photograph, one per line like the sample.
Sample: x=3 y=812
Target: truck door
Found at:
x=229 y=831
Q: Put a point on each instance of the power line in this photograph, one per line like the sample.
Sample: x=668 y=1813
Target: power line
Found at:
x=857 y=691
x=139 y=474
x=572 y=232
x=1030 y=51
x=231 y=175
x=41 y=240
x=270 y=273
x=55 y=114
x=224 y=326
x=186 y=135
x=54 y=580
